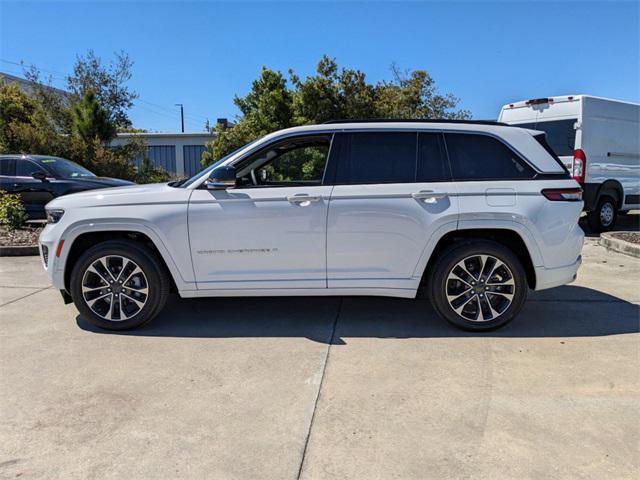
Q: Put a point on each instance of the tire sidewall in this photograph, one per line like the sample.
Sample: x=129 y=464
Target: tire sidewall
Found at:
x=144 y=260
x=457 y=253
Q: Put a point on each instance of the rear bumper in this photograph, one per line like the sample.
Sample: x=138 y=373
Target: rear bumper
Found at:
x=554 y=277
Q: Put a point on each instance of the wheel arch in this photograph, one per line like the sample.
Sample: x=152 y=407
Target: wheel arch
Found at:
x=81 y=239
x=611 y=188
x=507 y=237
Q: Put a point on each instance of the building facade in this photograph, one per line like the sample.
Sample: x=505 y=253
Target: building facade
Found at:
x=177 y=153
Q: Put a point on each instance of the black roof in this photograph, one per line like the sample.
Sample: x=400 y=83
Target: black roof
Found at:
x=415 y=120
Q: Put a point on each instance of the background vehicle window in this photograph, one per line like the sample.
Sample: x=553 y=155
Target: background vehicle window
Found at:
x=480 y=157
x=5 y=167
x=432 y=159
x=378 y=158
x=25 y=168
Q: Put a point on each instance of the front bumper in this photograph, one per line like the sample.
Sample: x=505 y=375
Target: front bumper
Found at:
x=52 y=263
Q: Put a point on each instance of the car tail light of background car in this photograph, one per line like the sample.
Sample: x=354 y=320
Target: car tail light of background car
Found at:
x=579 y=165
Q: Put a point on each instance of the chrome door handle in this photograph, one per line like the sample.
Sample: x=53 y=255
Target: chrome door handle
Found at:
x=428 y=196
x=303 y=199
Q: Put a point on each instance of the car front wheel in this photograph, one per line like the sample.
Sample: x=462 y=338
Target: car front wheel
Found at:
x=119 y=284
x=478 y=285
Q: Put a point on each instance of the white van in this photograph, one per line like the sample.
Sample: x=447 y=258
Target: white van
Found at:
x=597 y=139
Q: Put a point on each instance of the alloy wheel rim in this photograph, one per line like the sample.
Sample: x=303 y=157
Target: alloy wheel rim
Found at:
x=606 y=214
x=480 y=288
x=115 y=288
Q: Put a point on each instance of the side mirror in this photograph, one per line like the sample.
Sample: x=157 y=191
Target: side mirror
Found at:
x=40 y=176
x=221 y=178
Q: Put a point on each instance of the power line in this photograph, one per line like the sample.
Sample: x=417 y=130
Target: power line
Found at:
x=192 y=118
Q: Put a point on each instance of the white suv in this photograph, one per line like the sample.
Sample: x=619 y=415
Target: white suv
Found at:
x=473 y=214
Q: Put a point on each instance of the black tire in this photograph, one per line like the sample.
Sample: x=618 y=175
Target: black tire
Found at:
x=440 y=285
x=605 y=215
x=154 y=275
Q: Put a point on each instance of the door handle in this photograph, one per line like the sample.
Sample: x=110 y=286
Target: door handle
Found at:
x=303 y=199
x=428 y=196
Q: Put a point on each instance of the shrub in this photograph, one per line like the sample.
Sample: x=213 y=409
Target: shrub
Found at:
x=12 y=212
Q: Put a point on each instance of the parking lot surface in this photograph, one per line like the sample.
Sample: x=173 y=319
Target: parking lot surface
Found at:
x=286 y=388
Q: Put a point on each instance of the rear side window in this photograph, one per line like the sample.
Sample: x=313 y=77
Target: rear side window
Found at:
x=481 y=157
x=385 y=157
x=432 y=159
x=561 y=134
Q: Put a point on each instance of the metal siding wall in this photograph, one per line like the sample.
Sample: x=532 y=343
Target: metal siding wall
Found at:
x=192 y=156
x=163 y=156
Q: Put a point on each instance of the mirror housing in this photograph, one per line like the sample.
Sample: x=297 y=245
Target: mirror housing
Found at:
x=221 y=178
x=40 y=176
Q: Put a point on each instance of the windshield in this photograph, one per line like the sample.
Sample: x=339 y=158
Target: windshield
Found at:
x=209 y=169
x=62 y=168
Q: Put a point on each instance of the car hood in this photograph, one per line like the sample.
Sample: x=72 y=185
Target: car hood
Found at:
x=152 y=193
x=101 y=182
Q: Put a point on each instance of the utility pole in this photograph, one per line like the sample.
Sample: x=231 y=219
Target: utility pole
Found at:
x=181 y=115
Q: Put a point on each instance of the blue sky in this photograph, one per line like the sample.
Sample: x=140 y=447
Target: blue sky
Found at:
x=201 y=54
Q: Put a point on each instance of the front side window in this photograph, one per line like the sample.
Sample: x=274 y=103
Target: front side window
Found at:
x=26 y=168
x=481 y=157
x=377 y=157
x=298 y=161
x=6 y=166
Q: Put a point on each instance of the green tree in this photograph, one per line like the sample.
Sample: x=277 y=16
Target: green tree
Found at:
x=91 y=121
x=331 y=93
x=108 y=82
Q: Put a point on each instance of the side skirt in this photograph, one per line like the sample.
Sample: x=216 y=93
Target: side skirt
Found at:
x=298 y=292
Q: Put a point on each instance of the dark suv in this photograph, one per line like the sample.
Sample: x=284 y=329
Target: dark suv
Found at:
x=40 y=178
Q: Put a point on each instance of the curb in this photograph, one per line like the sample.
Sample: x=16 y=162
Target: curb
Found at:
x=621 y=246
x=19 y=251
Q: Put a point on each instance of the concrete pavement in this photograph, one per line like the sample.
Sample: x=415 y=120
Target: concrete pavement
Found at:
x=324 y=387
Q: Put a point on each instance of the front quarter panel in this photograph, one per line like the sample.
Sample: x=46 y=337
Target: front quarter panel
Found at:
x=159 y=212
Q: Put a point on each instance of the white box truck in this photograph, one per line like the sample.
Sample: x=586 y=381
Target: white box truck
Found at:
x=598 y=140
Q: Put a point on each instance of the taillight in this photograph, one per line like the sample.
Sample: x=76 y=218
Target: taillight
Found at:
x=563 y=194
x=579 y=165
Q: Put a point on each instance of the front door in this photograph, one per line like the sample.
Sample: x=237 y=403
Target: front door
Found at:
x=393 y=191
x=269 y=231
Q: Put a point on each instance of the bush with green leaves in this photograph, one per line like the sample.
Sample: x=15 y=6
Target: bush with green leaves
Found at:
x=12 y=212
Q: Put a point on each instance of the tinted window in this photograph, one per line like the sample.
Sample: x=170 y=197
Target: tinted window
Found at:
x=24 y=168
x=561 y=136
x=5 y=166
x=432 y=159
x=480 y=157
x=378 y=158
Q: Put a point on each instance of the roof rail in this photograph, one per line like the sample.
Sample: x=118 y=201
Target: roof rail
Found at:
x=414 y=120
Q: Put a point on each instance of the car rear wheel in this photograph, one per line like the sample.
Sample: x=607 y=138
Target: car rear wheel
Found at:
x=118 y=285
x=604 y=217
x=478 y=285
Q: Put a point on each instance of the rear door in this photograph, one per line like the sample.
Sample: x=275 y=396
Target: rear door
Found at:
x=392 y=191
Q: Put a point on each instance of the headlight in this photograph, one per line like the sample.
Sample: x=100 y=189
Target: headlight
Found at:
x=54 y=216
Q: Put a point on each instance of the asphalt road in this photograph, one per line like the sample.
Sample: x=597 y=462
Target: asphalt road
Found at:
x=316 y=388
